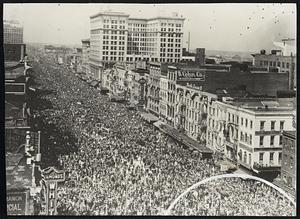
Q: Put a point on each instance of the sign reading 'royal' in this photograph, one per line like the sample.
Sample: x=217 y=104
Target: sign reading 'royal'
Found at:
x=16 y=203
x=188 y=74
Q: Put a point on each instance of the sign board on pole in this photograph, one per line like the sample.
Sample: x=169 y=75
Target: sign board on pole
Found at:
x=51 y=176
x=17 y=203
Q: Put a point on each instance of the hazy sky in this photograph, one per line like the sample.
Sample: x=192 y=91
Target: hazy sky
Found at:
x=234 y=27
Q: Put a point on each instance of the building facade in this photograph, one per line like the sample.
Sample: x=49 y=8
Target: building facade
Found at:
x=153 y=95
x=108 y=40
x=85 y=56
x=114 y=37
x=279 y=62
x=251 y=132
x=12 y=32
x=163 y=94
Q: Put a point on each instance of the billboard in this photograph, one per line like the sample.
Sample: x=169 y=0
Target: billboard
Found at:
x=198 y=75
x=16 y=203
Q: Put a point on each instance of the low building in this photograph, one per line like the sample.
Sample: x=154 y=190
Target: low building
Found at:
x=138 y=86
x=277 y=60
x=163 y=93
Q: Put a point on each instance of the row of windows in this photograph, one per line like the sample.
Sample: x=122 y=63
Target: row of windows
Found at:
x=114 y=58
x=113 y=53
x=244 y=137
x=112 y=32
x=113 y=48
x=114 y=27
x=114 y=21
x=274 y=64
x=272 y=138
x=271 y=157
x=273 y=123
x=170 y=29
x=169 y=45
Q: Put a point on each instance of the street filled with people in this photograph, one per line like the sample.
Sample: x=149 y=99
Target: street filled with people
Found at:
x=118 y=164
x=234 y=197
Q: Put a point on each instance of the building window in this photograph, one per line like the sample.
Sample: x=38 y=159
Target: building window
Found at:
x=272 y=140
x=242 y=121
x=291 y=162
x=271 y=157
x=250 y=159
x=272 y=125
x=287 y=65
x=250 y=139
x=279 y=157
x=251 y=124
x=262 y=125
x=246 y=123
x=283 y=65
x=261 y=157
x=278 y=64
x=261 y=63
x=281 y=125
x=261 y=141
x=280 y=140
x=245 y=157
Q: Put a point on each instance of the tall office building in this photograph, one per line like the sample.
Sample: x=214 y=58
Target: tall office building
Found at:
x=12 y=32
x=114 y=37
x=14 y=49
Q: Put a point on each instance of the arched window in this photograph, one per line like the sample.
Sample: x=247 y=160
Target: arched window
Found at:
x=245 y=157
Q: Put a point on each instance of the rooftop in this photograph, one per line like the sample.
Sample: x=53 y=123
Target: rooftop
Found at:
x=262 y=104
x=110 y=14
x=18 y=173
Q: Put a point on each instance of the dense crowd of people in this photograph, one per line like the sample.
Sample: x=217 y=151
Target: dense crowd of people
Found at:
x=234 y=197
x=123 y=165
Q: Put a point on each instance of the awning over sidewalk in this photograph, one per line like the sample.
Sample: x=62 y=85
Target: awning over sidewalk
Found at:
x=149 y=117
x=181 y=137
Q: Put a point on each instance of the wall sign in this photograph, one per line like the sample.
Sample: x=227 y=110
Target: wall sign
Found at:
x=16 y=203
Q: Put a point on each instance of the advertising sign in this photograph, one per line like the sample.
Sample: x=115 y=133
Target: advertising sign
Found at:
x=198 y=75
x=50 y=177
x=16 y=203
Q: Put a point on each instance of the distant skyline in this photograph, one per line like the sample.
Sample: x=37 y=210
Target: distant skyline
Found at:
x=230 y=27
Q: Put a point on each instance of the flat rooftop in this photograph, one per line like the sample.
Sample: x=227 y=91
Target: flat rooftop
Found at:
x=258 y=104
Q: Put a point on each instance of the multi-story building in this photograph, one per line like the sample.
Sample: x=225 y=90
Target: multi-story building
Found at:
x=85 y=56
x=289 y=162
x=154 y=88
x=156 y=39
x=191 y=110
x=279 y=61
x=163 y=84
x=12 y=32
x=115 y=37
x=138 y=86
x=14 y=48
x=252 y=131
x=108 y=40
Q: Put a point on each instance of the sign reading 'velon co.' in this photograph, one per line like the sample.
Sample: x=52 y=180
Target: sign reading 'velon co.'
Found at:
x=198 y=75
x=16 y=203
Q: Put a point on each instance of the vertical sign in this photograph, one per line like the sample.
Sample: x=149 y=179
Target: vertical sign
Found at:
x=52 y=176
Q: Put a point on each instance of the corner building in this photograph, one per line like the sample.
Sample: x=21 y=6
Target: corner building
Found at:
x=114 y=37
